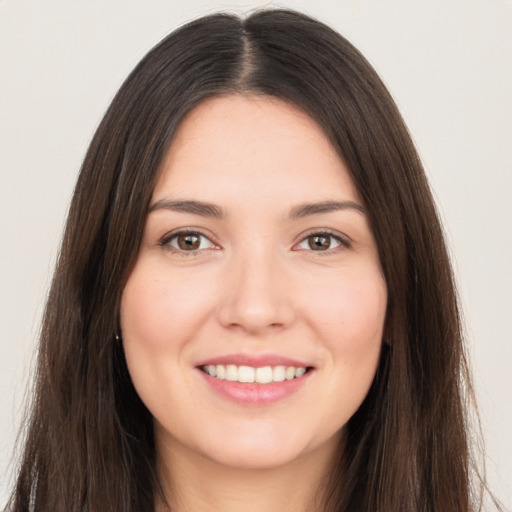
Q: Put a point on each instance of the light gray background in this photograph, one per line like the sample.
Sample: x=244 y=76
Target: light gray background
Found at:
x=448 y=64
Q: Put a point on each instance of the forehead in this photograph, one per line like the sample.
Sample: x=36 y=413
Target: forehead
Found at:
x=243 y=145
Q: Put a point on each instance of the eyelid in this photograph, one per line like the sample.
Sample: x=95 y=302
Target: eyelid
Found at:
x=344 y=240
x=164 y=241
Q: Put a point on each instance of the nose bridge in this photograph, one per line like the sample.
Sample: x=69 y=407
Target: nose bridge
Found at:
x=255 y=293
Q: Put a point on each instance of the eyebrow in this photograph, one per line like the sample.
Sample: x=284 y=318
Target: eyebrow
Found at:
x=211 y=210
x=194 y=207
x=306 y=209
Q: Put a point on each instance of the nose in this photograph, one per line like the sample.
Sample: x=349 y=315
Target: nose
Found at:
x=256 y=295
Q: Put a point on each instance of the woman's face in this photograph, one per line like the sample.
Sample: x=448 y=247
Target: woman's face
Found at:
x=257 y=263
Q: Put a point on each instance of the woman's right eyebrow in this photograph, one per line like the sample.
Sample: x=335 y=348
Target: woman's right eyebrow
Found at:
x=188 y=206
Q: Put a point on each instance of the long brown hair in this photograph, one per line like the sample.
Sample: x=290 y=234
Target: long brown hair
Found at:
x=89 y=444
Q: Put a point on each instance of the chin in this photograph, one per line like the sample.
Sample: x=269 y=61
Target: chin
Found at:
x=256 y=456
x=265 y=448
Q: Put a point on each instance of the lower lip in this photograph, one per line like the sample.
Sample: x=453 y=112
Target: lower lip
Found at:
x=253 y=393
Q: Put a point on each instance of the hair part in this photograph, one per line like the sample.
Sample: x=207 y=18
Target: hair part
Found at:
x=90 y=443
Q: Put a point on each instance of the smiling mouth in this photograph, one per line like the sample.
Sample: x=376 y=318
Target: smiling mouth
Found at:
x=259 y=375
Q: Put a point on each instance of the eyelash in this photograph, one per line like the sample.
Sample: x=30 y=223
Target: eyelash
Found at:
x=344 y=242
x=166 y=240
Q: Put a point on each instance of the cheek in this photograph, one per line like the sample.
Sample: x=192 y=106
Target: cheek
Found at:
x=349 y=317
x=159 y=316
x=157 y=311
x=351 y=307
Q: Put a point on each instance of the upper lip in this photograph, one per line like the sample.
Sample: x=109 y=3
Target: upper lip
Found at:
x=256 y=361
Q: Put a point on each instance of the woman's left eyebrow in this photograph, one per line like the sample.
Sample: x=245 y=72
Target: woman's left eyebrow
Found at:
x=302 y=210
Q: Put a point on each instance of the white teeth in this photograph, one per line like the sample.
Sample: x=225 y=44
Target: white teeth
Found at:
x=231 y=372
x=221 y=371
x=299 y=372
x=246 y=374
x=279 y=373
x=290 y=373
x=262 y=375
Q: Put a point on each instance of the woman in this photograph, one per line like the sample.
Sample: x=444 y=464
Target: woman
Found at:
x=253 y=307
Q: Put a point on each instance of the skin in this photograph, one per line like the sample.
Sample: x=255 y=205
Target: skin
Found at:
x=254 y=286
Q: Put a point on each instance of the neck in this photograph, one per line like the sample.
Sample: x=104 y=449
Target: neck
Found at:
x=194 y=483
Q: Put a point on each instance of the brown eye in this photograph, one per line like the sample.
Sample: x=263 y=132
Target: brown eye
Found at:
x=188 y=242
x=319 y=242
